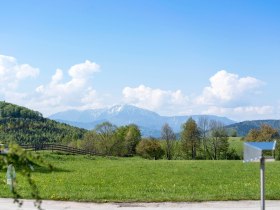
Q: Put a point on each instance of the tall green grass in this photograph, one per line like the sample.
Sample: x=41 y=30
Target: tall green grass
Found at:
x=84 y=178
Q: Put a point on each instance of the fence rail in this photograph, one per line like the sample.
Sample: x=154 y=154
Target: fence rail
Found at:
x=57 y=147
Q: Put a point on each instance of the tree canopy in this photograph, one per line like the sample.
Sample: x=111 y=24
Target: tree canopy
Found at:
x=8 y=110
x=168 y=135
x=265 y=133
x=190 y=136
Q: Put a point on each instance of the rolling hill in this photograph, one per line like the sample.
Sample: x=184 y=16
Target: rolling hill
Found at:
x=244 y=127
x=22 y=125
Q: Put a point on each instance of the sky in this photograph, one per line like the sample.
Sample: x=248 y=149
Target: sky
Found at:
x=178 y=57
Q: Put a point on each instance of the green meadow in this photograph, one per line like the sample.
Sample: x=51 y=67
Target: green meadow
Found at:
x=111 y=179
x=237 y=144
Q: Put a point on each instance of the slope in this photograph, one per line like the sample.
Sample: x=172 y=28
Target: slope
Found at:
x=244 y=127
x=22 y=125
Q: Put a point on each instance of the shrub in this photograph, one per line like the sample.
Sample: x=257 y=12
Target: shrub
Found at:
x=150 y=149
x=232 y=155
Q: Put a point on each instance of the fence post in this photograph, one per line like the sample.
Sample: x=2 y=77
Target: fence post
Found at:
x=262 y=174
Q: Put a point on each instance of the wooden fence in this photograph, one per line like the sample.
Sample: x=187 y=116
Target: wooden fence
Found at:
x=57 y=147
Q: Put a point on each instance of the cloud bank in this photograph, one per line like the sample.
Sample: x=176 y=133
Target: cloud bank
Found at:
x=12 y=73
x=155 y=99
x=57 y=94
x=227 y=94
x=76 y=93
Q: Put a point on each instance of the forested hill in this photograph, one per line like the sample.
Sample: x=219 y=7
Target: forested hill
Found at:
x=244 y=127
x=23 y=125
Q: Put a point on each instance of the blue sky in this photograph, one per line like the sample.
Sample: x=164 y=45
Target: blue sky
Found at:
x=173 y=57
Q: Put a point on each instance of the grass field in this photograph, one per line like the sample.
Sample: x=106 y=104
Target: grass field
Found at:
x=237 y=144
x=84 y=178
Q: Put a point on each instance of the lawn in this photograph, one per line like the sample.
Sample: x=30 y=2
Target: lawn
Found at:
x=84 y=178
x=237 y=144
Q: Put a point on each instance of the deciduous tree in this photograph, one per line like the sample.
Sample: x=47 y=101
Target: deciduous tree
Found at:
x=265 y=133
x=190 y=136
x=150 y=148
x=169 y=137
x=218 y=143
x=106 y=132
x=204 y=126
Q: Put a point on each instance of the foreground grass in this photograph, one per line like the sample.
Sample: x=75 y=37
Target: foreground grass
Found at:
x=83 y=178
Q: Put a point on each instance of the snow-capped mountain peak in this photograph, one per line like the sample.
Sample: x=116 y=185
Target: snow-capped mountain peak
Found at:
x=116 y=109
x=124 y=114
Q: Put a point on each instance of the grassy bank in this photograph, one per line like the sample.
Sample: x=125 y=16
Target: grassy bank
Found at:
x=84 y=178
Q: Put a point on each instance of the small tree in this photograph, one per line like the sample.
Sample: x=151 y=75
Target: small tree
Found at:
x=219 y=140
x=169 y=136
x=253 y=135
x=92 y=142
x=126 y=139
x=132 y=138
x=204 y=126
x=265 y=133
x=190 y=136
x=106 y=132
x=150 y=149
x=232 y=132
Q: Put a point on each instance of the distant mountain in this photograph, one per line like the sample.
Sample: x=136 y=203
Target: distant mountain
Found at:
x=149 y=122
x=243 y=128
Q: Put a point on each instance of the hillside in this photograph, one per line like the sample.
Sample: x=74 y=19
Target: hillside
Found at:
x=244 y=127
x=23 y=125
x=149 y=122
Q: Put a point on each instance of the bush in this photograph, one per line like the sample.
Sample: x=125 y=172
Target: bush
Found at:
x=150 y=149
x=232 y=155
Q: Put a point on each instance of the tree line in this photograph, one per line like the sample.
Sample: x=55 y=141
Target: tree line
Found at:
x=209 y=139
x=108 y=139
x=205 y=140
x=14 y=111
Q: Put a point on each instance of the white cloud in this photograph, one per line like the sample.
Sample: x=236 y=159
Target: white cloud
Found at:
x=90 y=97
x=57 y=95
x=155 y=99
x=11 y=73
x=75 y=93
x=57 y=77
x=229 y=89
x=228 y=95
x=83 y=70
x=25 y=71
x=259 y=110
x=242 y=112
x=231 y=95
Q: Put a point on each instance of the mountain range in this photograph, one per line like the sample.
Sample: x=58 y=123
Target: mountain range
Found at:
x=149 y=122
